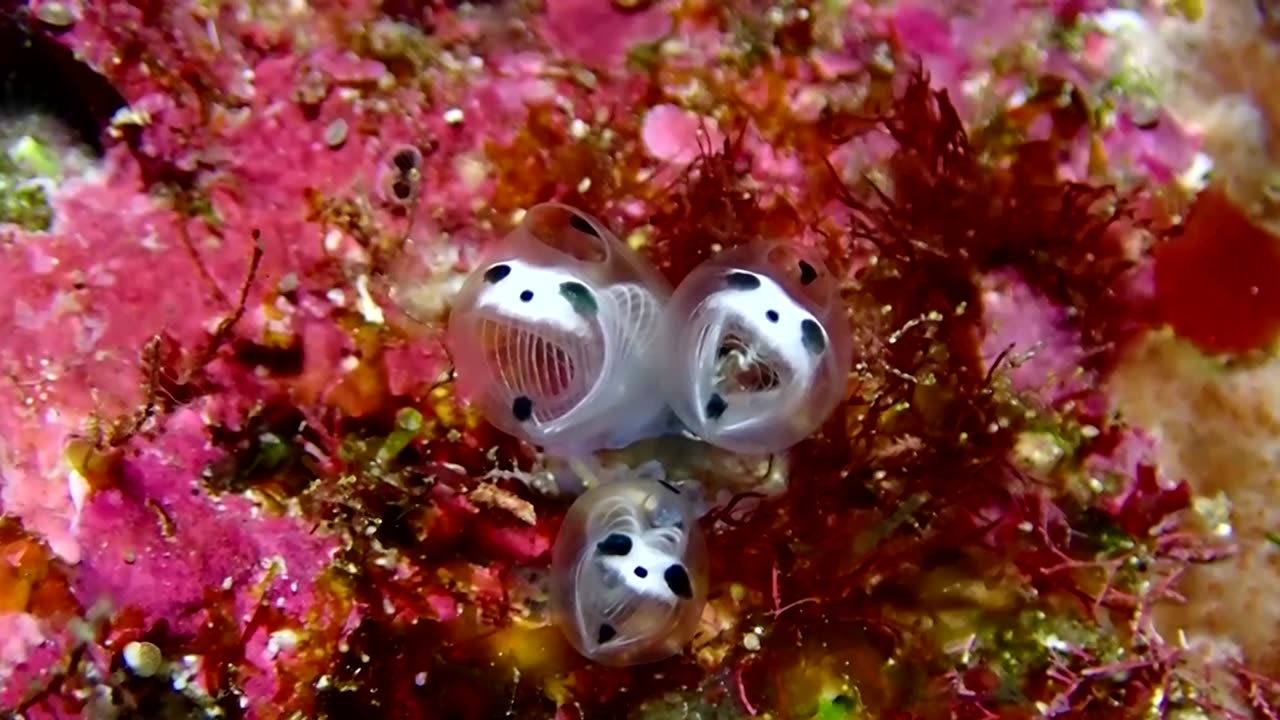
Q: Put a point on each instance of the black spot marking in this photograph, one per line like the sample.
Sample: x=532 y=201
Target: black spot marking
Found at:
x=716 y=407
x=807 y=273
x=402 y=189
x=580 y=297
x=497 y=273
x=678 y=580
x=615 y=544
x=641 y=572
x=405 y=160
x=526 y=296
x=522 y=408
x=581 y=225
x=815 y=341
x=739 y=280
x=606 y=634
x=772 y=315
x=669 y=486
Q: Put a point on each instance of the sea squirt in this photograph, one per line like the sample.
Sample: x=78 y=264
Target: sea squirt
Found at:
x=761 y=347
x=629 y=572
x=554 y=336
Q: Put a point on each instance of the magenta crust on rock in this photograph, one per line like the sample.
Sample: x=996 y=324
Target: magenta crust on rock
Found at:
x=236 y=478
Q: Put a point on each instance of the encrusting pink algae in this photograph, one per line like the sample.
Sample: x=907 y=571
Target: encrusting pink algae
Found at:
x=237 y=482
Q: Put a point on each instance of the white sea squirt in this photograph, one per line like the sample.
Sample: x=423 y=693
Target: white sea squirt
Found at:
x=554 y=336
x=760 y=346
x=629 y=572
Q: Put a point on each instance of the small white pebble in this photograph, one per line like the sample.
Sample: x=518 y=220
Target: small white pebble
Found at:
x=56 y=14
x=332 y=240
x=420 y=679
x=336 y=133
x=281 y=640
x=1197 y=175
x=578 y=129
x=453 y=116
x=368 y=307
x=751 y=642
x=143 y=658
x=1112 y=21
x=129 y=116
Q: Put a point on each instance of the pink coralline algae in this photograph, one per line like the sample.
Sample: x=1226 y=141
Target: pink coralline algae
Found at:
x=956 y=44
x=236 y=478
x=677 y=136
x=600 y=34
x=163 y=567
x=1033 y=336
x=22 y=635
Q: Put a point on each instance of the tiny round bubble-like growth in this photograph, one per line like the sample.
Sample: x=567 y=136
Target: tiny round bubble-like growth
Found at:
x=554 y=335
x=761 y=347
x=400 y=179
x=629 y=573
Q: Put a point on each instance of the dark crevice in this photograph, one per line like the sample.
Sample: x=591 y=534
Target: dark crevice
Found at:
x=37 y=73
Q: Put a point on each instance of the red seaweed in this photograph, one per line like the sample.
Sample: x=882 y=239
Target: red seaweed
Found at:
x=1215 y=279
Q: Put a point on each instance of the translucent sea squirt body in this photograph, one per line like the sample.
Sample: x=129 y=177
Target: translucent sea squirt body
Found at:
x=629 y=573
x=761 y=347
x=554 y=335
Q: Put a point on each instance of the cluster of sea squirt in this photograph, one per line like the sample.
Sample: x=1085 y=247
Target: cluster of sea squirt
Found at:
x=568 y=339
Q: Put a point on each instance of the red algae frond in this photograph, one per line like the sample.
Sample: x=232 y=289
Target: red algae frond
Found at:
x=713 y=204
x=597 y=171
x=944 y=218
x=1215 y=280
x=31 y=579
x=920 y=486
